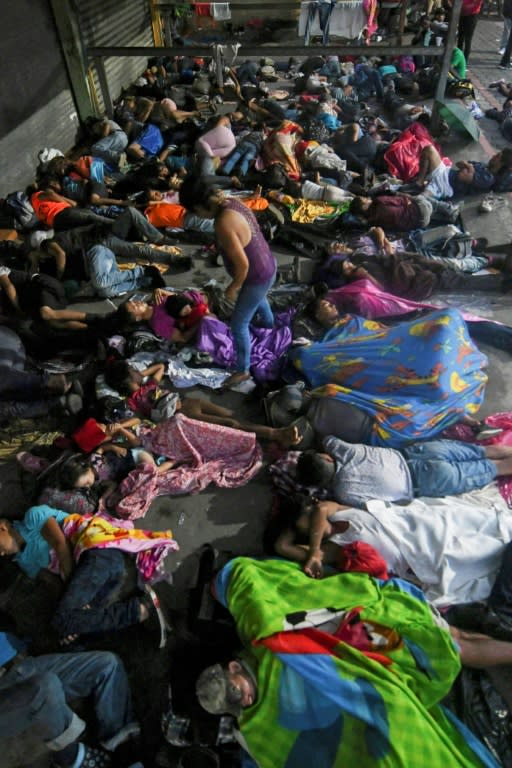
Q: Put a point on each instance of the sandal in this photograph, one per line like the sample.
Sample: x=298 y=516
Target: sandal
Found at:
x=89 y=757
x=95 y=758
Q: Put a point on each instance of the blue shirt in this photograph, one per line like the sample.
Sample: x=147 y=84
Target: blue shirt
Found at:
x=364 y=472
x=10 y=646
x=36 y=552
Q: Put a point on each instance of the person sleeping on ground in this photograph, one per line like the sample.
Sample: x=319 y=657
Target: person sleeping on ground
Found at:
x=362 y=362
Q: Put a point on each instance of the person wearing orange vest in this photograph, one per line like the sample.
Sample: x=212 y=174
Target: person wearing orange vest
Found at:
x=59 y=212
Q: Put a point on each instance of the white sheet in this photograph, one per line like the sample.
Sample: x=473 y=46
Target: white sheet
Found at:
x=452 y=544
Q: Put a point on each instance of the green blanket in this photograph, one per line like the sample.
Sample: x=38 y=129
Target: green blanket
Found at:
x=358 y=695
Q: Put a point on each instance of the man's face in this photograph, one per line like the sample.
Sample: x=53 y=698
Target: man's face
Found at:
x=155 y=195
x=8 y=544
x=136 y=309
x=326 y=313
x=242 y=687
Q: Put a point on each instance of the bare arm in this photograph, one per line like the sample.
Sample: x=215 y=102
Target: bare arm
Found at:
x=318 y=529
x=156 y=371
x=286 y=547
x=53 y=534
x=59 y=256
x=49 y=194
x=233 y=234
x=10 y=291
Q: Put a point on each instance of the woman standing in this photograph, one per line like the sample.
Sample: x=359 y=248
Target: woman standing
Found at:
x=248 y=260
x=469 y=13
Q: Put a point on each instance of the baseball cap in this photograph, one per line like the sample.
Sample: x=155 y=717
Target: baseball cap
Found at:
x=215 y=694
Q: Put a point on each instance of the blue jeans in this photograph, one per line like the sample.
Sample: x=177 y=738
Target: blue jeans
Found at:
x=194 y=222
x=252 y=299
x=88 y=605
x=447 y=467
x=244 y=154
x=324 y=18
x=132 y=224
x=106 y=277
x=34 y=695
x=110 y=147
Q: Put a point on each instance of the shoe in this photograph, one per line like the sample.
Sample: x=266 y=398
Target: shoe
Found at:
x=183 y=263
x=485 y=433
x=501 y=51
x=505 y=66
x=497 y=83
x=468 y=616
x=152 y=602
x=153 y=274
x=486 y=206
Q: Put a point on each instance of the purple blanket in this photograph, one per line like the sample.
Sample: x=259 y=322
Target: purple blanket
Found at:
x=268 y=345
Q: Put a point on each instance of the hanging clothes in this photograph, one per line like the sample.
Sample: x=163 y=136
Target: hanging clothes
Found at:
x=203 y=9
x=221 y=11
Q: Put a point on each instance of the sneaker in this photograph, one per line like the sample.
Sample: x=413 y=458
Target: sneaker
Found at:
x=497 y=83
x=486 y=206
x=501 y=51
x=505 y=66
x=181 y=263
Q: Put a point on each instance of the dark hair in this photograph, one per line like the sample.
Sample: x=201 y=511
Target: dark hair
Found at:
x=357 y=207
x=194 y=192
x=506 y=157
x=320 y=291
x=313 y=469
x=146 y=195
x=117 y=375
x=175 y=303
x=275 y=177
x=71 y=470
x=123 y=319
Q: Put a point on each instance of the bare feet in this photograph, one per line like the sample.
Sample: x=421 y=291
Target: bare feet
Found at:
x=257 y=192
x=236 y=183
x=234 y=379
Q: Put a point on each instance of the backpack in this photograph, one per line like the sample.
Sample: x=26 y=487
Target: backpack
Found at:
x=460 y=89
x=18 y=203
x=406 y=64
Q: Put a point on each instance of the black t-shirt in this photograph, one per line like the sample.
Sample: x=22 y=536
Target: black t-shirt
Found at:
x=37 y=291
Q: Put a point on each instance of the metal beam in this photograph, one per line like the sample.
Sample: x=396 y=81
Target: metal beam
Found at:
x=99 y=63
x=445 y=66
x=276 y=51
x=68 y=32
